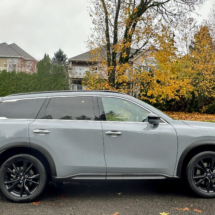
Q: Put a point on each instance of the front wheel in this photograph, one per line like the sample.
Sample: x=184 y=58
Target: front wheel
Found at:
x=201 y=174
x=22 y=178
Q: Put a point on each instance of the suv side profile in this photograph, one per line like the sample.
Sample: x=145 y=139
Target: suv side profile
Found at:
x=90 y=135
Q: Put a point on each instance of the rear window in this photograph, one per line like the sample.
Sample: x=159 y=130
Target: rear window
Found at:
x=71 y=108
x=21 y=109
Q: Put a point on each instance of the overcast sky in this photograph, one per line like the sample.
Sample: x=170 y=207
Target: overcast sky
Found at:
x=44 y=26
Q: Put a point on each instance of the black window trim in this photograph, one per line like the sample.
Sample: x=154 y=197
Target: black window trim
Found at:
x=102 y=112
x=95 y=108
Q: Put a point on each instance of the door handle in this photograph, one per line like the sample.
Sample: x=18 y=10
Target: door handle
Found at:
x=114 y=133
x=40 y=131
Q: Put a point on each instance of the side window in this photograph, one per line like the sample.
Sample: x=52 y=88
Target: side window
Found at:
x=70 y=108
x=122 y=110
x=21 y=109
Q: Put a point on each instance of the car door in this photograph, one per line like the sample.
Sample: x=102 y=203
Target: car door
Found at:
x=134 y=148
x=67 y=127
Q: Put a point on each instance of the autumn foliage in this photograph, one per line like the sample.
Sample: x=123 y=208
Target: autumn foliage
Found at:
x=161 y=57
x=191 y=116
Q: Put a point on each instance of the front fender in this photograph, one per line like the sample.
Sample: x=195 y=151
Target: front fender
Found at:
x=189 y=149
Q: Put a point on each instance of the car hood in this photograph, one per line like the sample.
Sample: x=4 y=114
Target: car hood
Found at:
x=201 y=125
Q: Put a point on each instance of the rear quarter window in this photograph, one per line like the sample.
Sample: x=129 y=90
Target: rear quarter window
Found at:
x=21 y=109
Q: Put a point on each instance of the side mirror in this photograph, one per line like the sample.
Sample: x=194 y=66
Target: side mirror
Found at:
x=153 y=119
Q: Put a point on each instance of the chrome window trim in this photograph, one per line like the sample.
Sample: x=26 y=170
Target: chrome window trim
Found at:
x=88 y=121
x=69 y=120
x=50 y=97
x=15 y=100
x=4 y=118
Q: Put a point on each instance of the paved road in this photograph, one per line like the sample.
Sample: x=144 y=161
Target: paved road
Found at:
x=118 y=198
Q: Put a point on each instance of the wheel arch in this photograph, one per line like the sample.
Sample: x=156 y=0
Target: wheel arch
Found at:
x=191 y=151
x=37 y=151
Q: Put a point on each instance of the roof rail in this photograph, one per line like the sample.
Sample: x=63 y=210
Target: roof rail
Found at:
x=63 y=91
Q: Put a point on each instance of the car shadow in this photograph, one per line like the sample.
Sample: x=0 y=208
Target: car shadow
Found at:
x=110 y=189
x=104 y=190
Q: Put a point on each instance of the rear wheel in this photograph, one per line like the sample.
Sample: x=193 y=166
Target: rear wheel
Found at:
x=201 y=174
x=22 y=178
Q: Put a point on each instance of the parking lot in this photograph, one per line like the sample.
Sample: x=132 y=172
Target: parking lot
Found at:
x=114 y=197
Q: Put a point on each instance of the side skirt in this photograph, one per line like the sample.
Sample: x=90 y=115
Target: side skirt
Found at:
x=112 y=176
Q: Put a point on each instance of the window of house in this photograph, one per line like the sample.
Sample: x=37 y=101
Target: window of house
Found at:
x=21 y=109
x=71 y=108
x=11 y=67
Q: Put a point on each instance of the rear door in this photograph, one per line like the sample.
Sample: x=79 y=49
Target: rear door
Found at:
x=68 y=128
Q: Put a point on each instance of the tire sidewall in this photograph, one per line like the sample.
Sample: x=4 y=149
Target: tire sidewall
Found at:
x=189 y=173
x=40 y=168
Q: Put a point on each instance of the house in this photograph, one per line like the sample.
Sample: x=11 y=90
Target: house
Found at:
x=80 y=64
x=13 y=58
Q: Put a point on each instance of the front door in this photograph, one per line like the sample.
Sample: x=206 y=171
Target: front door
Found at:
x=68 y=129
x=133 y=148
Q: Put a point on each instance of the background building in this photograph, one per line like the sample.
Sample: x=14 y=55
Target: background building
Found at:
x=13 y=58
x=80 y=64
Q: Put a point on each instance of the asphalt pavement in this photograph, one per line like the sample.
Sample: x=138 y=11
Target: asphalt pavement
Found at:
x=114 y=197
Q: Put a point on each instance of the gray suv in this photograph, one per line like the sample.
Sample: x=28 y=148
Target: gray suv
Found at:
x=89 y=135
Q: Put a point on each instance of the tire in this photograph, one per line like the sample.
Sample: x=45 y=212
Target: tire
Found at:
x=22 y=178
x=200 y=174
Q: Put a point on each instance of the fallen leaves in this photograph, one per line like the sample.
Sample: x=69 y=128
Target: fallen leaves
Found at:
x=196 y=210
x=182 y=209
x=187 y=209
x=36 y=203
x=191 y=116
x=164 y=213
x=117 y=213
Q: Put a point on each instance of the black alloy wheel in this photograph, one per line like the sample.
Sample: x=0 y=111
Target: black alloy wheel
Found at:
x=201 y=174
x=22 y=178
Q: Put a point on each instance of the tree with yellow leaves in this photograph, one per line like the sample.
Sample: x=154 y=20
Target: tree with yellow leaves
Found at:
x=167 y=80
x=200 y=66
x=188 y=78
x=124 y=29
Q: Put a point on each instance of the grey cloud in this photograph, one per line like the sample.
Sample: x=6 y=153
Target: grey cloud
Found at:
x=44 y=26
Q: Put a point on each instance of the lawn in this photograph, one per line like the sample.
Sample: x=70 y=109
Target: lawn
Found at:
x=191 y=116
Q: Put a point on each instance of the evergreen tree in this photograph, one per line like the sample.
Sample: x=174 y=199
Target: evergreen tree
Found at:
x=60 y=58
x=43 y=73
x=47 y=78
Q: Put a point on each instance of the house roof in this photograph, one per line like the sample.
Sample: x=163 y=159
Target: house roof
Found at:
x=14 y=51
x=82 y=57
x=88 y=56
